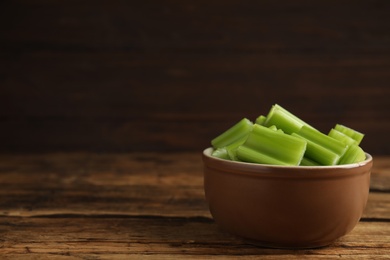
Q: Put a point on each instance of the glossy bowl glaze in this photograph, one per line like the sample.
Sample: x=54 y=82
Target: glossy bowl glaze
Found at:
x=286 y=206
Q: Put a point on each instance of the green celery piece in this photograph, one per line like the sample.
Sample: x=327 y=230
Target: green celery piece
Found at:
x=318 y=153
x=273 y=127
x=248 y=154
x=232 y=148
x=220 y=153
x=323 y=140
x=350 y=132
x=233 y=134
x=353 y=155
x=284 y=120
x=341 y=137
x=260 y=120
x=267 y=146
x=308 y=162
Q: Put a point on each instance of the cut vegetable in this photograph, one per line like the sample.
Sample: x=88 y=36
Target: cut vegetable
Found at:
x=353 y=155
x=323 y=140
x=233 y=134
x=248 y=154
x=221 y=153
x=308 y=162
x=281 y=138
x=260 y=120
x=232 y=148
x=318 y=153
x=357 y=136
x=273 y=127
x=341 y=137
x=284 y=120
x=267 y=146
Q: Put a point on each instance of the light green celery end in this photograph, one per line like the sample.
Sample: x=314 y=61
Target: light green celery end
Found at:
x=280 y=146
x=247 y=154
x=341 y=137
x=354 y=154
x=220 y=153
x=273 y=127
x=319 y=153
x=234 y=133
x=323 y=140
x=260 y=120
x=232 y=148
x=284 y=120
x=308 y=162
x=358 y=136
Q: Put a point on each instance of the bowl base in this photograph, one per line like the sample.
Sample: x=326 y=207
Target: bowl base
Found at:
x=286 y=246
x=280 y=245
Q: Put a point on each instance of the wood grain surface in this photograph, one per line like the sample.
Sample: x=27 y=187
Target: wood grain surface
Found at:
x=149 y=205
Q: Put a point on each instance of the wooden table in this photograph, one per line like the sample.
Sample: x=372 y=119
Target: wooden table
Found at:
x=151 y=205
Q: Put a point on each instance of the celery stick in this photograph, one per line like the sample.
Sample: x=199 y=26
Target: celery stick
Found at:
x=350 y=132
x=308 y=162
x=353 y=155
x=319 y=153
x=323 y=140
x=232 y=148
x=248 y=154
x=260 y=120
x=273 y=127
x=284 y=120
x=263 y=143
x=221 y=153
x=341 y=137
x=234 y=133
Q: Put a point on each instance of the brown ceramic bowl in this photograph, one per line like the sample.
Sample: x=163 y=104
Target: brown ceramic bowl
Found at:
x=286 y=206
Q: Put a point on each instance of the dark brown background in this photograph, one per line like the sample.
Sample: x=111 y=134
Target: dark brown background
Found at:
x=118 y=76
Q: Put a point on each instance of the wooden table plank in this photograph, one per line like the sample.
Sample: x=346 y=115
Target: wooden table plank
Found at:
x=197 y=237
x=126 y=184
x=184 y=201
x=380 y=177
x=88 y=184
x=124 y=206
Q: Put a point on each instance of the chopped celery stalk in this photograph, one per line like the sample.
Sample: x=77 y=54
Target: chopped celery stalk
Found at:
x=284 y=120
x=249 y=155
x=260 y=120
x=354 y=154
x=281 y=138
x=319 y=153
x=239 y=130
x=350 y=132
x=273 y=127
x=323 y=140
x=308 y=162
x=220 y=153
x=267 y=146
x=232 y=148
x=341 y=137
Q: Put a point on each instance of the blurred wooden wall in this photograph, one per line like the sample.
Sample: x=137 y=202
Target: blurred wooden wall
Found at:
x=119 y=76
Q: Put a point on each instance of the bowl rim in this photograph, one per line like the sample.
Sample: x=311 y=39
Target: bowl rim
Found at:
x=256 y=169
